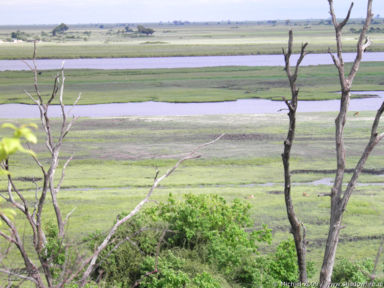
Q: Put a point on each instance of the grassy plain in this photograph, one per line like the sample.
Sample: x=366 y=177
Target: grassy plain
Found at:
x=223 y=38
x=115 y=159
x=189 y=84
x=115 y=162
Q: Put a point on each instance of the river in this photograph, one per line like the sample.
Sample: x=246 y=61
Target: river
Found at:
x=246 y=106
x=180 y=62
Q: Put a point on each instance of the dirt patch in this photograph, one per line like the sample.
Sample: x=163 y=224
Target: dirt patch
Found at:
x=28 y=179
x=250 y=136
x=320 y=242
x=333 y=171
x=274 y=192
x=363 y=96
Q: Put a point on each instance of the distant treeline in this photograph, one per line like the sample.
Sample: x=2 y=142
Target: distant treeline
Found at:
x=371 y=30
x=288 y=22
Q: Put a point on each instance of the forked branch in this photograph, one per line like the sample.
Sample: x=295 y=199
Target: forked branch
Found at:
x=297 y=227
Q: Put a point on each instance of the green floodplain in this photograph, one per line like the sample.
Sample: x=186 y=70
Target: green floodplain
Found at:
x=181 y=39
x=115 y=159
x=188 y=84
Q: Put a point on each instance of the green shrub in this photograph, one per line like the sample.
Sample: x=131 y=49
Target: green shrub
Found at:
x=53 y=248
x=120 y=262
x=205 y=244
x=284 y=263
x=170 y=274
x=348 y=271
x=199 y=219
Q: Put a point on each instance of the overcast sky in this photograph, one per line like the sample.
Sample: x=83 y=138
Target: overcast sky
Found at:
x=128 y=11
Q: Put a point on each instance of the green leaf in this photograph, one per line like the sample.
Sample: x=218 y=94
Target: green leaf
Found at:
x=32 y=125
x=9 y=125
x=10 y=145
x=3 y=172
x=27 y=151
x=26 y=133
x=9 y=213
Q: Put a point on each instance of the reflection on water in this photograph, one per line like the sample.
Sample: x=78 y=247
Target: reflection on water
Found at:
x=246 y=106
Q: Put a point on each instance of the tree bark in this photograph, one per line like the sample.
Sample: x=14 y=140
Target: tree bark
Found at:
x=297 y=227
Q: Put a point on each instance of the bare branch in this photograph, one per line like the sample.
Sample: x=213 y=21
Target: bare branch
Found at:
x=63 y=173
x=36 y=200
x=156 y=270
x=378 y=255
x=5 y=254
x=303 y=53
x=54 y=90
x=334 y=59
x=374 y=140
x=30 y=267
x=7 y=237
x=32 y=98
x=342 y=24
x=361 y=45
x=74 y=104
x=11 y=273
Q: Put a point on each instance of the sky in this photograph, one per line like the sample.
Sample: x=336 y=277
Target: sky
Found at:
x=20 y=12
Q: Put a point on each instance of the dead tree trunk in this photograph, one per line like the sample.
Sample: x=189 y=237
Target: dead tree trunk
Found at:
x=340 y=197
x=297 y=227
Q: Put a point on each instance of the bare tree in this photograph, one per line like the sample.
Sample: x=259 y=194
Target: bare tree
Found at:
x=297 y=227
x=39 y=271
x=339 y=195
x=34 y=213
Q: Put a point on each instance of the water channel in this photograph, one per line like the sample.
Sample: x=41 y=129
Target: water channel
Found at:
x=246 y=106
x=180 y=62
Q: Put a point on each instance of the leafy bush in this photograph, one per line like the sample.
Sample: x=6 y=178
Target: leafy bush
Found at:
x=120 y=262
x=348 y=271
x=169 y=273
x=53 y=248
x=284 y=263
x=201 y=241
x=199 y=219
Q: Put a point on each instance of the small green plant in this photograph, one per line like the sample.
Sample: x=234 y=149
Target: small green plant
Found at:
x=53 y=248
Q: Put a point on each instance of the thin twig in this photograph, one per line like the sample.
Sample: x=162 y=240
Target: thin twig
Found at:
x=11 y=273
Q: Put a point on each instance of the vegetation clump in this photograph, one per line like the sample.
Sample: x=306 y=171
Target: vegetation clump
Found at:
x=59 y=29
x=201 y=241
x=143 y=30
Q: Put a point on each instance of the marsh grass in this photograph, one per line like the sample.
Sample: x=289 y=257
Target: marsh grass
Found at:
x=188 y=84
x=115 y=162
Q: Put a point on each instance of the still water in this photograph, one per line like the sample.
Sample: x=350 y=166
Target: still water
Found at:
x=180 y=62
x=246 y=106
